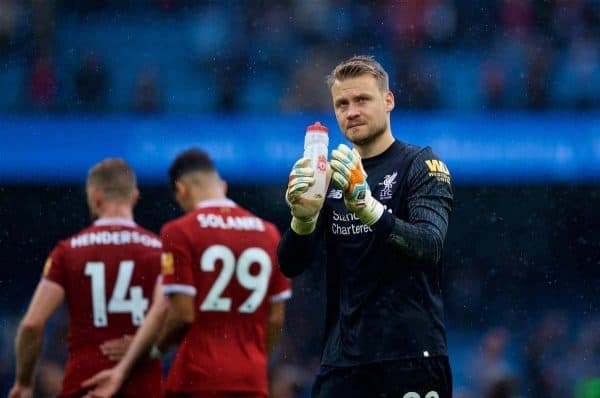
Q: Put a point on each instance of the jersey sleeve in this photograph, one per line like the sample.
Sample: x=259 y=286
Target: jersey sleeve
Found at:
x=176 y=262
x=280 y=288
x=55 y=267
x=430 y=196
x=429 y=202
x=297 y=252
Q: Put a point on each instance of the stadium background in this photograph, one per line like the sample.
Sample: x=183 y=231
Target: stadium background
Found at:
x=507 y=92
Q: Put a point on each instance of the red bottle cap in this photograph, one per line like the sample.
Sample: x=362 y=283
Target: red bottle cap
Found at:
x=317 y=128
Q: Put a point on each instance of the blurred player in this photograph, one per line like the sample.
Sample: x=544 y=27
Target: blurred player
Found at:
x=107 y=274
x=226 y=294
x=383 y=225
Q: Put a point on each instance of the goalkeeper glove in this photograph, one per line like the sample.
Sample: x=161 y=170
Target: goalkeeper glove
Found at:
x=304 y=210
x=350 y=177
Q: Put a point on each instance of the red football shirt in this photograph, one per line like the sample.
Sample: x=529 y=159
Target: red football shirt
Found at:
x=227 y=258
x=108 y=272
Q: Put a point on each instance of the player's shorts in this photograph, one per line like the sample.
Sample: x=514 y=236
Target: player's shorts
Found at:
x=215 y=394
x=407 y=378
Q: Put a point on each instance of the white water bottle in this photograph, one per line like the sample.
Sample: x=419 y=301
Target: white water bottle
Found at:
x=316 y=141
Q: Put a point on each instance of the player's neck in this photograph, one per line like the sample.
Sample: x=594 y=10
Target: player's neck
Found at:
x=116 y=210
x=208 y=197
x=376 y=147
x=208 y=192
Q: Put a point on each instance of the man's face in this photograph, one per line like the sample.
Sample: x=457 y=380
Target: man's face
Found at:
x=361 y=108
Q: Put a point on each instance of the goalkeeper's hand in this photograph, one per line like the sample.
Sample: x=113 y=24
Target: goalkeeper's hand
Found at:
x=350 y=177
x=304 y=210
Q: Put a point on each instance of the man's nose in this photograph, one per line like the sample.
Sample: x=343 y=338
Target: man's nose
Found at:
x=353 y=111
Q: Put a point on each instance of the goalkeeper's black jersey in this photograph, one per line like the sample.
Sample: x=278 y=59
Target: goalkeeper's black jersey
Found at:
x=383 y=299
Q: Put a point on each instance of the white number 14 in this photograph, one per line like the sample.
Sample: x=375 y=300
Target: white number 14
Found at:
x=136 y=304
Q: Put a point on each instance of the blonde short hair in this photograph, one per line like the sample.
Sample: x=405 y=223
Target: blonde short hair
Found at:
x=357 y=66
x=114 y=177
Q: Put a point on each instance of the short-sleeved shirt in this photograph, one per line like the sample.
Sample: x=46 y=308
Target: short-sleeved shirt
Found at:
x=108 y=272
x=225 y=257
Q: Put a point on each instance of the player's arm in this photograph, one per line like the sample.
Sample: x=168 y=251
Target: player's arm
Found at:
x=147 y=333
x=422 y=235
x=107 y=382
x=47 y=298
x=298 y=246
x=276 y=318
x=296 y=252
x=181 y=315
x=178 y=284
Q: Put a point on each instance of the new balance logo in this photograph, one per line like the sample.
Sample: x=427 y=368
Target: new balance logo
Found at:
x=335 y=194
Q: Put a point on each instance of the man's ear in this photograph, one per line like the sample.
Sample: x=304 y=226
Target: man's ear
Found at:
x=389 y=101
x=135 y=196
x=97 y=197
x=180 y=188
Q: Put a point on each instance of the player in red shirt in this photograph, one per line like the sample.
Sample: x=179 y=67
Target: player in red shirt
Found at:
x=107 y=274
x=226 y=293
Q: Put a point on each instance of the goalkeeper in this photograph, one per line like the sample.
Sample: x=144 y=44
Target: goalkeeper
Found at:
x=383 y=223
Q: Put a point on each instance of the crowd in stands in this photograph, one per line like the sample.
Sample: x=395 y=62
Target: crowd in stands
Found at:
x=181 y=56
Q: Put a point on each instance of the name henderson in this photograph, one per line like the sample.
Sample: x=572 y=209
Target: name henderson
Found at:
x=114 y=238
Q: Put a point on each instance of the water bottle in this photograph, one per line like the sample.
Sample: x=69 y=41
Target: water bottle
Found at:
x=316 y=141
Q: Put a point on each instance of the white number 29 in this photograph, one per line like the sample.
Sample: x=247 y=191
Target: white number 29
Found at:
x=136 y=304
x=430 y=394
x=257 y=283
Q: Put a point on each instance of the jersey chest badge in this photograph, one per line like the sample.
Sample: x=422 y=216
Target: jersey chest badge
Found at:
x=388 y=184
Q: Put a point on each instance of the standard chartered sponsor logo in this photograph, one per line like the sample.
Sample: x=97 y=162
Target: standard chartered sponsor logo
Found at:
x=349 y=217
x=114 y=238
x=348 y=224
x=352 y=229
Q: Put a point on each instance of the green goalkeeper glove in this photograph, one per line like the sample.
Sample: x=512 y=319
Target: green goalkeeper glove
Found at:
x=350 y=177
x=304 y=210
